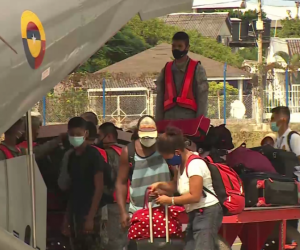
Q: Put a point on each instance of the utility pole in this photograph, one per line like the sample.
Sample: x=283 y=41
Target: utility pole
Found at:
x=260 y=94
x=297 y=9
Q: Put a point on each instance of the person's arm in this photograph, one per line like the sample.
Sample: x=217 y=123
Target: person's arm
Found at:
x=160 y=93
x=195 y=194
x=201 y=95
x=168 y=187
x=295 y=144
x=196 y=171
x=98 y=166
x=122 y=180
x=42 y=150
x=64 y=179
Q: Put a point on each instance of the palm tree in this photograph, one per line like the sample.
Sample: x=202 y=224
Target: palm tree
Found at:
x=291 y=66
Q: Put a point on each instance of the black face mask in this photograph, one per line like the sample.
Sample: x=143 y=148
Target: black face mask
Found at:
x=178 y=54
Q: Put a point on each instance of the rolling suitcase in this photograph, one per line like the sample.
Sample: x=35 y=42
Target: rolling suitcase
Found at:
x=159 y=243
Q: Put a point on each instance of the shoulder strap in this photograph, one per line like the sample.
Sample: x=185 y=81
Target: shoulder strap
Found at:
x=102 y=152
x=6 y=152
x=117 y=149
x=192 y=157
x=131 y=153
x=289 y=137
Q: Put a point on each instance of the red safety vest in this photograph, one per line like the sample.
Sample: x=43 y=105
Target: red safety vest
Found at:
x=118 y=151
x=7 y=152
x=24 y=144
x=186 y=98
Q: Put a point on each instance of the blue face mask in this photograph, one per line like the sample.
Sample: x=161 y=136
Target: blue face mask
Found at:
x=76 y=141
x=274 y=127
x=176 y=160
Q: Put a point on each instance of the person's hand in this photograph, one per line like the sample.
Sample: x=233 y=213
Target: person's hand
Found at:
x=154 y=187
x=125 y=220
x=88 y=225
x=163 y=200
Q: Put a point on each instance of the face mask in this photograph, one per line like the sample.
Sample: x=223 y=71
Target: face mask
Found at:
x=148 y=142
x=274 y=127
x=176 y=160
x=178 y=54
x=76 y=141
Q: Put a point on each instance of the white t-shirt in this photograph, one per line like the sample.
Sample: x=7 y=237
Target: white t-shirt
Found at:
x=197 y=167
x=282 y=143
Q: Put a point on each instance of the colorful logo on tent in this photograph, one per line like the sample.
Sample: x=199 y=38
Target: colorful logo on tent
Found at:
x=34 y=39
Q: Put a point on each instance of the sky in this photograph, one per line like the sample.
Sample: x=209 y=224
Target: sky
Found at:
x=275 y=9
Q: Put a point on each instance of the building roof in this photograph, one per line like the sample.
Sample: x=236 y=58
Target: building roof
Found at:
x=293 y=46
x=153 y=60
x=207 y=24
x=121 y=83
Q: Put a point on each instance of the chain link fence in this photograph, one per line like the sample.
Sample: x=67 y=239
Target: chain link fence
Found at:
x=123 y=107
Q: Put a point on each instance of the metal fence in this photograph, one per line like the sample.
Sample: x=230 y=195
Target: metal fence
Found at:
x=278 y=97
x=122 y=107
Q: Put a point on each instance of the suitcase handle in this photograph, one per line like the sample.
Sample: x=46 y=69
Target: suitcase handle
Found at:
x=151 y=222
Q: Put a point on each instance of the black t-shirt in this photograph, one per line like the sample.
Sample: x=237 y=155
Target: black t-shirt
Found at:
x=82 y=169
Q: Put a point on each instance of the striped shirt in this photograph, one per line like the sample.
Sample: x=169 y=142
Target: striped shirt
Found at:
x=147 y=171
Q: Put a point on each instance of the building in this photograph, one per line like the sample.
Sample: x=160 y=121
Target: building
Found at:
x=213 y=25
x=281 y=84
x=132 y=91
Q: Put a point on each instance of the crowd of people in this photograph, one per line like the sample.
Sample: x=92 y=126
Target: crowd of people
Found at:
x=106 y=182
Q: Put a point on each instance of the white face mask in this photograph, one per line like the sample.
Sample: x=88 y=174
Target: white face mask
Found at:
x=148 y=142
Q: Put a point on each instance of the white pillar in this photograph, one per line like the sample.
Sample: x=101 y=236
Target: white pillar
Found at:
x=240 y=88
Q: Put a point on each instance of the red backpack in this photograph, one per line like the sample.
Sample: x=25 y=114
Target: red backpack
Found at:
x=118 y=151
x=227 y=185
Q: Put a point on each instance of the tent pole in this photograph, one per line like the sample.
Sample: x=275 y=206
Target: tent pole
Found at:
x=31 y=175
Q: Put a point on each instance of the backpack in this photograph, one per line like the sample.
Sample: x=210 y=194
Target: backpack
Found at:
x=252 y=160
x=289 y=137
x=284 y=162
x=227 y=185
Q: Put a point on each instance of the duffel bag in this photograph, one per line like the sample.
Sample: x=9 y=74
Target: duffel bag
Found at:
x=283 y=161
x=267 y=189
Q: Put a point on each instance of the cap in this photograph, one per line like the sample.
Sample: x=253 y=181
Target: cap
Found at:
x=147 y=128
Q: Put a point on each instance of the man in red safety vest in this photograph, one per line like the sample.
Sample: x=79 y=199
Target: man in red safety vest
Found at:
x=182 y=88
x=8 y=147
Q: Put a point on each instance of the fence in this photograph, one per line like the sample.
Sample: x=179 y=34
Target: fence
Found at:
x=279 y=97
x=122 y=106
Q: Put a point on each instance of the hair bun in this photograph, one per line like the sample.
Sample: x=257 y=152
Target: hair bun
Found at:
x=173 y=131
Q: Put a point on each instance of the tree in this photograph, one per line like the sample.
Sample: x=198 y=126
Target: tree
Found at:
x=249 y=53
x=216 y=99
x=290 y=29
x=121 y=46
x=138 y=36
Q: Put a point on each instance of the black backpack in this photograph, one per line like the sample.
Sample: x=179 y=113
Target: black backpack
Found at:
x=289 y=137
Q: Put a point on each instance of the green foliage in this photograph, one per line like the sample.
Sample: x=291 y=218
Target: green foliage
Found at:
x=290 y=29
x=218 y=89
x=61 y=107
x=138 y=36
x=216 y=99
x=244 y=15
x=154 y=31
x=121 y=46
x=249 y=53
